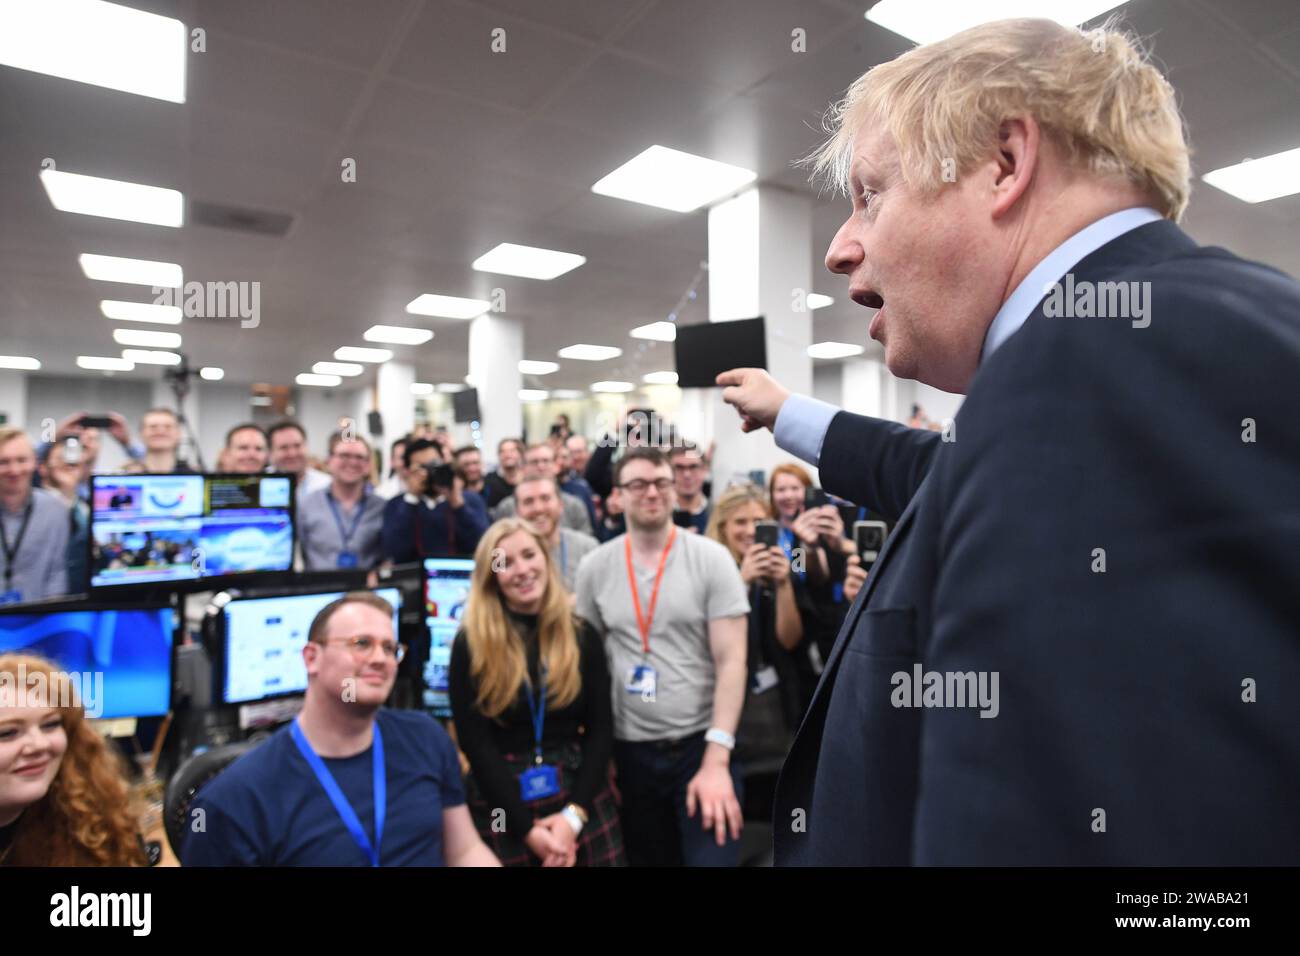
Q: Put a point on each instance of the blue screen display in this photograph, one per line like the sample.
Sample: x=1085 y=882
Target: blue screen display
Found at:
x=122 y=657
x=165 y=528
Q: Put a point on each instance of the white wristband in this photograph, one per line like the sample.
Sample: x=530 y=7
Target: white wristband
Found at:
x=572 y=819
x=721 y=738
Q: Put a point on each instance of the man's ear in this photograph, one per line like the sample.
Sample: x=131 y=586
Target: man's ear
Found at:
x=1019 y=139
x=310 y=654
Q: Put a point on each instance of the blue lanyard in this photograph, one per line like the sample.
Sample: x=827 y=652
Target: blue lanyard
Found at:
x=338 y=520
x=340 y=802
x=786 y=537
x=537 y=711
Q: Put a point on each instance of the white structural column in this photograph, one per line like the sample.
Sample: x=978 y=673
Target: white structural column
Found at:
x=13 y=401
x=861 y=387
x=760 y=263
x=394 y=401
x=496 y=344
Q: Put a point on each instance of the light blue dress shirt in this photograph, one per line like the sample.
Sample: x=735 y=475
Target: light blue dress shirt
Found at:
x=802 y=423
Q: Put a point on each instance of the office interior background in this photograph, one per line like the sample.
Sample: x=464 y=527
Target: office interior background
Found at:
x=462 y=138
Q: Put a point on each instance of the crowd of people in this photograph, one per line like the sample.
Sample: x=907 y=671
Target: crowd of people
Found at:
x=629 y=671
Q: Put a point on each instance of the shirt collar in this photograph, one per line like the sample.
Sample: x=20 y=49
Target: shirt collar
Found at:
x=1020 y=304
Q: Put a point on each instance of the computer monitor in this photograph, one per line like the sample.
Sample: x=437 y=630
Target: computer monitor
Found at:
x=176 y=530
x=446 y=590
x=263 y=638
x=119 y=657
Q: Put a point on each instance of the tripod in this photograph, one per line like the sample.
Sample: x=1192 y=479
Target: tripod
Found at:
x=179 y=380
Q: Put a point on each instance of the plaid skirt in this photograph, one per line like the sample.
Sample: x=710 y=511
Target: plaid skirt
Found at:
x=601 y=840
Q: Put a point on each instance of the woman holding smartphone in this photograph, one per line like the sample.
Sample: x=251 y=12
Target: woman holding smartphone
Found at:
x=740 y=520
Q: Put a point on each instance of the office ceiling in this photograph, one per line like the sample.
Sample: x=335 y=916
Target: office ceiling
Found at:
x=458 y=148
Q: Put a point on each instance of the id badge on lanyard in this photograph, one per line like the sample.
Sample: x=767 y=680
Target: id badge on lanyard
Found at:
x=642 y=679
x=540 y=780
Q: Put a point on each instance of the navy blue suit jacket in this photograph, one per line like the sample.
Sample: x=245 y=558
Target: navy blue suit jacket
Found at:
x=1123 y=693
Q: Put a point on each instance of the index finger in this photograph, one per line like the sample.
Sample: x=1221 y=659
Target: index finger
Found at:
x=734 y=376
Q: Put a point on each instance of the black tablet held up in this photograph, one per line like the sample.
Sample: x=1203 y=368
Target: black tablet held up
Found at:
x=706 y=350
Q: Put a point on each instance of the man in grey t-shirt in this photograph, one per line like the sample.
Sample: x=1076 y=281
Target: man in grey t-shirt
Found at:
x=676 y=649
x=537 y=497
x=339 y=525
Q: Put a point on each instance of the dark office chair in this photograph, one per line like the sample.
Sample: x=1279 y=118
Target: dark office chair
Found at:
x=189 y=778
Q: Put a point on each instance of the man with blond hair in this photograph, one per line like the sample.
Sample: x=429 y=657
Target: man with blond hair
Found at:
x=1078 y=643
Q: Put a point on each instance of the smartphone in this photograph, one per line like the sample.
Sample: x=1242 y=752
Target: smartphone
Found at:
x=869 y=537
x=814 y=498
x=95 y=421
x=72 y=450
x=766 y=533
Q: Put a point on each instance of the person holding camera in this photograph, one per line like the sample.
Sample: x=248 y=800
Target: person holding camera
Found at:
x=437 y=516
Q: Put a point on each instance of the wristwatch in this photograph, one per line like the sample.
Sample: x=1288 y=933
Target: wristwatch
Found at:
x=575 y=817
x=721 y=738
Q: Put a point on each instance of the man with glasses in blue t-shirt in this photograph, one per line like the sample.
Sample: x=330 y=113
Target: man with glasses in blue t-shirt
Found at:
x=347 y=783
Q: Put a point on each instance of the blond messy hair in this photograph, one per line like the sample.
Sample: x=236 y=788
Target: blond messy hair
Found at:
x=1094 y=93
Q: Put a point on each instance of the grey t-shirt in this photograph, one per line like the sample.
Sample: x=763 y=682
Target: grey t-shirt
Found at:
x=573 y=547
x=701 y=583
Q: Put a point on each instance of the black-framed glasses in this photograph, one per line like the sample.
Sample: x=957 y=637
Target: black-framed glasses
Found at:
x=639 y=486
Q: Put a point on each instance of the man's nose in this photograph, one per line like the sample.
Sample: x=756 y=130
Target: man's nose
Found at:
x=845 y=252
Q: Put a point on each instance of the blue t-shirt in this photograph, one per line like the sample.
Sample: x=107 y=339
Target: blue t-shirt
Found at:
x=268 y=809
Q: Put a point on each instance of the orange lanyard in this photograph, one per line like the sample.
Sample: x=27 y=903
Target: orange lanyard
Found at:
x=645 y=623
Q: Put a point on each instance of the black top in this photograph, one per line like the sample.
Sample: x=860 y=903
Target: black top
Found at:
x=496 y=489
x=588 y=721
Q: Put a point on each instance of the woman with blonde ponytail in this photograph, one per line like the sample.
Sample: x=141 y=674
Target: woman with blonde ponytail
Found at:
x=63 y=795
x=530 y=698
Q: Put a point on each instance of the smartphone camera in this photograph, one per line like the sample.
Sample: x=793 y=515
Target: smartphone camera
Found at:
x=766 y=533
x=869 y=537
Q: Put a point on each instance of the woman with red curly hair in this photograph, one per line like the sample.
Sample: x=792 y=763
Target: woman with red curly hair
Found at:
x=63 y=796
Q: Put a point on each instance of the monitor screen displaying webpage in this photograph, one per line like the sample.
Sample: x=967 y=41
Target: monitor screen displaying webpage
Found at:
x=446 y=590
x=150 y=529
x=264 y=640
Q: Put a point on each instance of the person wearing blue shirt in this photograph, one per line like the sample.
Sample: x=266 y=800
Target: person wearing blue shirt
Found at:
x=418 y=525
x=347 y=783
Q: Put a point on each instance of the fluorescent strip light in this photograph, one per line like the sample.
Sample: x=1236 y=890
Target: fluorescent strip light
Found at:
x=567 y=393
x=660 y=378
x=529 y=262
x=162 y=275
x=338 y=368
x=212 y=373
x=113 y=199
x=20 y=362
x=612 y=386
x=926 y=21
x=143 y=338
x=1259 y=180
x=451 y=388
x=103 y=44
x=529 y=367
x=146 y=357
x=325 y=381
x=833 y=350
x=656 y=331
x=447 y=306
x=397 y=335
x=671 y=179
x=590 y=353
x=261 y=401
x=421 y=388
x=533 y=394
x=352 y=353
x=816 y=300
x=141 y=312
x=104 y=363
